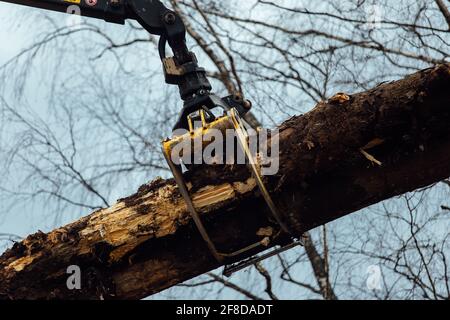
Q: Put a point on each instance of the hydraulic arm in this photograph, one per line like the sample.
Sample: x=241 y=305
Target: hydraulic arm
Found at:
x=182 y=69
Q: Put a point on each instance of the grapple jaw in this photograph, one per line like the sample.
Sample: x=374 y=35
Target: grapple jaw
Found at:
x=198 y=125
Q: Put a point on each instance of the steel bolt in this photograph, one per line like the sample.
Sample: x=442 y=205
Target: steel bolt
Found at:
x=115 y=3
x=247 y=104
x=237 y=97
x=170 y=18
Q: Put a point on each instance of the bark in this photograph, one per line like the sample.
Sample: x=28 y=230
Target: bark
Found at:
x=330 y=166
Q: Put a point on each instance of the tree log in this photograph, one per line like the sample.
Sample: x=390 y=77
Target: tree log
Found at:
x=349 y=152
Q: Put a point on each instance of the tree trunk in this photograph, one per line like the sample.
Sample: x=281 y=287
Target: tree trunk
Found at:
x=346 y=154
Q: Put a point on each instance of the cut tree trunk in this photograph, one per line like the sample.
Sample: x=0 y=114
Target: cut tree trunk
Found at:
x=346 y=154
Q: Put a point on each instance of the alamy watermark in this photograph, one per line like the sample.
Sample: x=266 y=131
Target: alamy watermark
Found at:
x=74 y=20
x=374 y=278
x=74 y=280
x=374 y=16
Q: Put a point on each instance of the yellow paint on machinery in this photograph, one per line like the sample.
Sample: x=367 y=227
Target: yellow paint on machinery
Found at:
x=222 y=124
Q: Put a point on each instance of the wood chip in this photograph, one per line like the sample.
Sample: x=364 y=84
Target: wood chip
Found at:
x=371 y=158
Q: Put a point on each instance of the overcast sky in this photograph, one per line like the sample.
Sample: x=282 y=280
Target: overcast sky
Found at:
x=15 y=36
x=11 y=42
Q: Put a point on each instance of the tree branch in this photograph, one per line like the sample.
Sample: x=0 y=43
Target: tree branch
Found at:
x=320 y=268
x=444 y=10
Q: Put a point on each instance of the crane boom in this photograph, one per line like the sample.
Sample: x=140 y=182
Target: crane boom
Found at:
x=100 y=9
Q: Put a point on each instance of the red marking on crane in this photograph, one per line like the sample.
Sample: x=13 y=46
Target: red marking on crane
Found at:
x=91 y=3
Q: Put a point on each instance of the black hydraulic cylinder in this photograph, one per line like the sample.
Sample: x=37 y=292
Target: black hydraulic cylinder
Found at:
x=109 y=10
